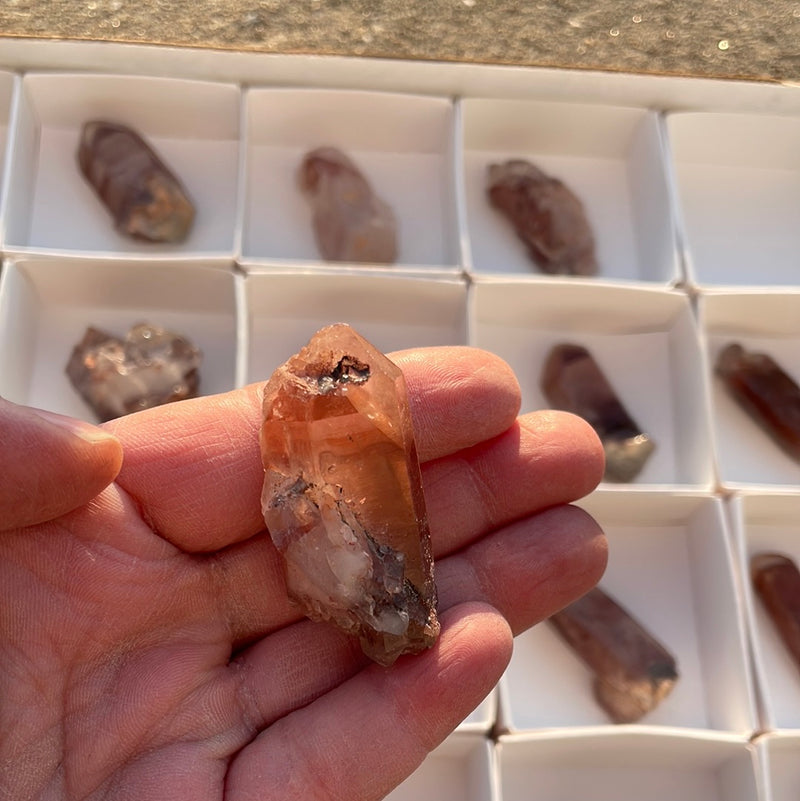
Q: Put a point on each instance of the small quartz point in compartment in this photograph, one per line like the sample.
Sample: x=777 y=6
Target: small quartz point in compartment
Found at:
x=761 y=387
x=547 y=216
x=144 y=197
x=149 y=367
x=633 y=671
x=351 y=223
x=343 y=495
x=573 y=382
x=777 y=582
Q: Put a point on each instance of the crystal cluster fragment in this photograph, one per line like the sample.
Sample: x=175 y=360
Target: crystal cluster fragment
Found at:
x=573 y=382
x=777 y=582
x=547 y=216
x=351 y=223
x=149 y=367
x=762 y=388
x=633 y=671
x=145 y=199
x=342 y=494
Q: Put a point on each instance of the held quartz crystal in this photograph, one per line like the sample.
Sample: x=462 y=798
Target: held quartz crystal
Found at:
x=342 y=494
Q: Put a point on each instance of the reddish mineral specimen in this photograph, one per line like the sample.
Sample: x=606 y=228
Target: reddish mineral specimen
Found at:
x=145 y=199
x=150 y=367
x=343 y=496
x=547 y=216
x=573 y=382
x=351 y=223
x=765 y=392
x=633 y=671
x=777 y=582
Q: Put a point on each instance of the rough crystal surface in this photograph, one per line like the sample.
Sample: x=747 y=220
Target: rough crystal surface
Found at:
x=572 y=381
x=777 y=582
x=765 y=391
x=144 y=197
x=547 y=216
x=633 y=671
x=342 y=494
x=149 y=367
x=351 y=223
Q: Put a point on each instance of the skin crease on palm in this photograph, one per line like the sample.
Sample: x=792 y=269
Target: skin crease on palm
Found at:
x=149 y=650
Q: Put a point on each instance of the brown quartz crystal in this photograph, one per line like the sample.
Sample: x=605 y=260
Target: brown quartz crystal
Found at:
x=343 y=496
x=547 y=216
x=777 y=582
x=145 y=199
x=351 y=223
x=633 y=671
x=761 y=387
x=573 y=382
x=149 y=367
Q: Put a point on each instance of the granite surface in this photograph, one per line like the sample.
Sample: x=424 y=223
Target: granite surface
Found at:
x=753 y=39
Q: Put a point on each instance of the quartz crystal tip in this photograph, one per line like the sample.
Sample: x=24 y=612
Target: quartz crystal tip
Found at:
x=143 y=196
x=572 y=381
x=547 y=216
x=151 y=366
x=765 y=392
x=343 y=497
x=351 y=223
x=776 y=580
x=633 y=671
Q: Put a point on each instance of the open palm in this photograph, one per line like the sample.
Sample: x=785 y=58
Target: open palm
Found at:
x=148 y=648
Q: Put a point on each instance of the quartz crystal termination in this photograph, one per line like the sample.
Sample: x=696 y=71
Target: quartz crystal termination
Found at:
x=777 y=582
x=149 y=367
x=143 y=196
x=573 y=382
x=343 y=497
x=546 y=215
x=767 y=394
x=633 y=671
x=351 y=223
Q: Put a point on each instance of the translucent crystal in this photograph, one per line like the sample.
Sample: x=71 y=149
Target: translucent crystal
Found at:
x=351 y=223
x=343 y=495
x=547 y=216
x=149 y=367
x=573 y=382
x=766 y=392
x=633 y=671
x=777 y=582
x=145 y=199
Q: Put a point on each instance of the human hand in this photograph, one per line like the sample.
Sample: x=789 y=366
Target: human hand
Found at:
x=149 y=650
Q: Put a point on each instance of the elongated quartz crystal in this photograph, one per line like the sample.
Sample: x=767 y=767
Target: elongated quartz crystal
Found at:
x=777 y=582
x=143 y=196
x=762 y=388
x=351 y=223
x=547 y=216
x=342 y=494
x=573 y=382
x=149 y=367
x=633 y=671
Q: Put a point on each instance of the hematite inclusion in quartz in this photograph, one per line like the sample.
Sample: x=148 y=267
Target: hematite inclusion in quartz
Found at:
x=343 y=497
x=547 y=216
x=573 y=382
x=633 y=671
x=144 y=197
x=765 y=391
x=351 y=223
x=151 y=366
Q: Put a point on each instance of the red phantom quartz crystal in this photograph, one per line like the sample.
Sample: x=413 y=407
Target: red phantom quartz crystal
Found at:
x=351 y=223
x=342 y=494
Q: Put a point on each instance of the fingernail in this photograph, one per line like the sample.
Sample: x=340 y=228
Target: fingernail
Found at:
x=79 y=428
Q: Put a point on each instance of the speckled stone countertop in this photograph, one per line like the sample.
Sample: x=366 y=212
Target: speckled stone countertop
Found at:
x=749 y=39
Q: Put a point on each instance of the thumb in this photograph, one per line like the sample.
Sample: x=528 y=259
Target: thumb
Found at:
x=50 y=464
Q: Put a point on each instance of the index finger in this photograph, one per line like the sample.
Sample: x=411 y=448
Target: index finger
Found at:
x=195 y=467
